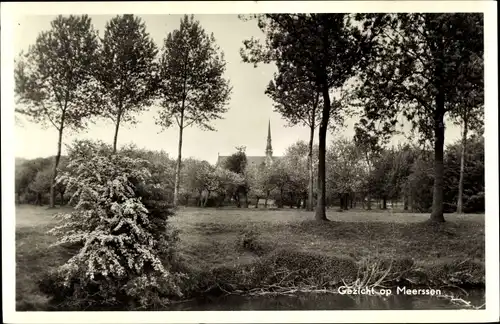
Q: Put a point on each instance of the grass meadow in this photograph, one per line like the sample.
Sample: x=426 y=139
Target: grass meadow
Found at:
x=452 y=252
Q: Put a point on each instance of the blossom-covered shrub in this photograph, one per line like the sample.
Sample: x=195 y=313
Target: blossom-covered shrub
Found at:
x=120 y=224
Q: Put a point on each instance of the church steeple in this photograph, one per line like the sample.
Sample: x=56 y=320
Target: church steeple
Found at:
x=269 y=147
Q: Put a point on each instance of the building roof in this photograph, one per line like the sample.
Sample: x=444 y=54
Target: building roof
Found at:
x=256 y=160
x=251 y=160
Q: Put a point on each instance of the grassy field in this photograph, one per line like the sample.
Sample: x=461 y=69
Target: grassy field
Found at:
x=224 y=238
x=209 y=236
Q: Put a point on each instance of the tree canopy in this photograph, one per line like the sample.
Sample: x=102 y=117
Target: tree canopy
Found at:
x=127 y=71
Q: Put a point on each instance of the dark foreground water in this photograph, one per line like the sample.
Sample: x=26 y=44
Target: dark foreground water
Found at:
x=320 y=301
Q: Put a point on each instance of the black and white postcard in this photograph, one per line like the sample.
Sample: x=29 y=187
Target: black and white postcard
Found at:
x=274 y=161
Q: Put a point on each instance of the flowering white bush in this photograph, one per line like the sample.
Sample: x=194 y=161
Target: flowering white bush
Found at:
x=123 y=244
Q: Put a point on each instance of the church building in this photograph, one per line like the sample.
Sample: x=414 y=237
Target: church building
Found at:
x=257 y=160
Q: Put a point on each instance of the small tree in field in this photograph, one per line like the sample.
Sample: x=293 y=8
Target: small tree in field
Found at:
x=26 y=173
x=420 y=185
x=226 y=183
x=206 y=182
x=127 y=70
x=345 y=174
x=369 y=145
x=41 y=185
x=298 y=160
x=23 y=177
x=262 y=181
x=237 y=163
x=193 y=90
x=121 y=227
x=279 y=178
x=54 y=81
x=255 y=177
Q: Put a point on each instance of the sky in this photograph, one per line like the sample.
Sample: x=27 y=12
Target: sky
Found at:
x=245 y=124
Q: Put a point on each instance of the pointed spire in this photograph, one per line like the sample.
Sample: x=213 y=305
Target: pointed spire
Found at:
x=269 y=147
x=269 y=129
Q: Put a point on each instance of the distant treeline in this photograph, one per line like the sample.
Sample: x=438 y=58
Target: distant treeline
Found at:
x=400 y=176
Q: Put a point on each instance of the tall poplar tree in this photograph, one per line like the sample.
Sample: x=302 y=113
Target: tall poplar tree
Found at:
x=192 y=89
x=54 y=80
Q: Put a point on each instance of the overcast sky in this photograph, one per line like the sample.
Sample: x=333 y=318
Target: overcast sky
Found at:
x=244 y=124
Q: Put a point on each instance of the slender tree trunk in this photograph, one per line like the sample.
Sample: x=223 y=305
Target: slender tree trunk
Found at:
x=437 y=197
x=405 y=201
x=265 y=201
x=310 y=189
x=368 y=193
x=56 y=165
x=39 y=199
x=62 y=197
x=237 y=198
x=117 y=127
x=410 y=202
x=281 y=198
x=199 y=202
x=384 y=203
x=205 y=200
x=177 y=183
x=323 y=127
x=462 y=168
x=257 y=202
